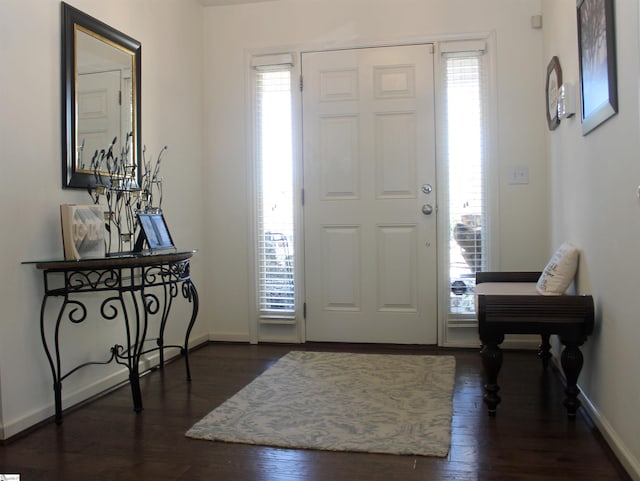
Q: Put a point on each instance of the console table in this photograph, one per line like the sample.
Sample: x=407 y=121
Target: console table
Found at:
x=135 y=287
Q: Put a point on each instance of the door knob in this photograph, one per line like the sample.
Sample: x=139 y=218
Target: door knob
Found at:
x=427 y=209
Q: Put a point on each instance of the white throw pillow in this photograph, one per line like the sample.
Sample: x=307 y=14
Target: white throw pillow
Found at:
x=559 y=272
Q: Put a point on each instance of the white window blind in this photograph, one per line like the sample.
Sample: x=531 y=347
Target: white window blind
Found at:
x=466 y=124
x=275 y=214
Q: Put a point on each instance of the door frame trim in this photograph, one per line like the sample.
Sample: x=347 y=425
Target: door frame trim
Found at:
x=465 y=334
x=298 y=335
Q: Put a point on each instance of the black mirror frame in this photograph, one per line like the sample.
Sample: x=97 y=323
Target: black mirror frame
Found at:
x=70 y=17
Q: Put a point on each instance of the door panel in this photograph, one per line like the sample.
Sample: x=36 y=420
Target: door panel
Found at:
x=395 y=156
x=341 y=271
x=98 y=113
x=370 y=252
x=397 y=268
x=339 y=170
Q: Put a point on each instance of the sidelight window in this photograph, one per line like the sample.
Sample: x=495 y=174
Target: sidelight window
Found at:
x=274 y=190
x=466 y=140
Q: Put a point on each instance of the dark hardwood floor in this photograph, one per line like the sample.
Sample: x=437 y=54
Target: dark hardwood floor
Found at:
x=530 y=439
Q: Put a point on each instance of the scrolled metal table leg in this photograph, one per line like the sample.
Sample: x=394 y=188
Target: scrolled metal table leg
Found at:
x=189 y=292
x=55 y=365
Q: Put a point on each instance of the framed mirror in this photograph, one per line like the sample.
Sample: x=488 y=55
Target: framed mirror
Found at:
x=101 y=70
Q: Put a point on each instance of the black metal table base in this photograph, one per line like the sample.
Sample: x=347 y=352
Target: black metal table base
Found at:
x=137 y=289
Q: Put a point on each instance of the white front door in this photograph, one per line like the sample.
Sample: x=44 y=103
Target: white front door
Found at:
x=370 y=195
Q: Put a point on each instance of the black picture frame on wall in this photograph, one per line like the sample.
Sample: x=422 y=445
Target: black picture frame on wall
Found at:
x=598 y=76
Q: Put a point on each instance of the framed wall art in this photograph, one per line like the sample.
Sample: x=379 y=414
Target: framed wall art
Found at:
x=598 y=78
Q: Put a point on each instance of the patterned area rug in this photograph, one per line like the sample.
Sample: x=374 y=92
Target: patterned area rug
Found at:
x=378 y=403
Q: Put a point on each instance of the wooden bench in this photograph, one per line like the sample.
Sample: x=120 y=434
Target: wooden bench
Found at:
x=508 y=303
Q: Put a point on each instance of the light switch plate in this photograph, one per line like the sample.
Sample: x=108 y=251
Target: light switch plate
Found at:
x=518 y=174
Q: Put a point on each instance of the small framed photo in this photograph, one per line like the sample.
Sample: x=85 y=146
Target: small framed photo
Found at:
x=155 y=232
x=598 y=77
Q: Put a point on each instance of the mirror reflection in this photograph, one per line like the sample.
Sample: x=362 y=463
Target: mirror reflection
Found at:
x=101 y=100
x=104 y=99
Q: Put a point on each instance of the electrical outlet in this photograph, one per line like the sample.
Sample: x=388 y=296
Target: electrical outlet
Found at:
x=518 y=174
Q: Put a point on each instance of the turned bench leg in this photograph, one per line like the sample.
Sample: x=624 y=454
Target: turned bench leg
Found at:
x=571 y=361
x=492 y=361
x=544 y=350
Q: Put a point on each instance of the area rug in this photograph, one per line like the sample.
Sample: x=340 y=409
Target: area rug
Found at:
x=377 y=403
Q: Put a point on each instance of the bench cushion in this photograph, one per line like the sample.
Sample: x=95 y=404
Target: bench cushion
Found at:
x=506 y=289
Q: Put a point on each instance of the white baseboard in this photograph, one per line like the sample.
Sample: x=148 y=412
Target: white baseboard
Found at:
x=630 y=462
x=196 y=341
x=15 y=426
x=229 y=337
x=280 y=339
x=521 y=343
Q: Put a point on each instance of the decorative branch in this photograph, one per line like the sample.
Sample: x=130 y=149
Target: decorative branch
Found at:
x=123 y=197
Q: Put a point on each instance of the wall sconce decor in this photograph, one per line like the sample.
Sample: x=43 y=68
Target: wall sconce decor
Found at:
x=554 y=81
x=566 y=101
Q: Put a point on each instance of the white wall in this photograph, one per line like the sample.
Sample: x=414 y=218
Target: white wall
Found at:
x=231 y=33
x=594 y=187
x=30 y=125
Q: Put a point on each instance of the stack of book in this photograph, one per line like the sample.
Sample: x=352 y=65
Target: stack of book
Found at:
x=83 y=231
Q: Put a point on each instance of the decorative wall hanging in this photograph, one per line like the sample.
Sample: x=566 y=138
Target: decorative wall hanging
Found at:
x=554 y=81
x=598 y=78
